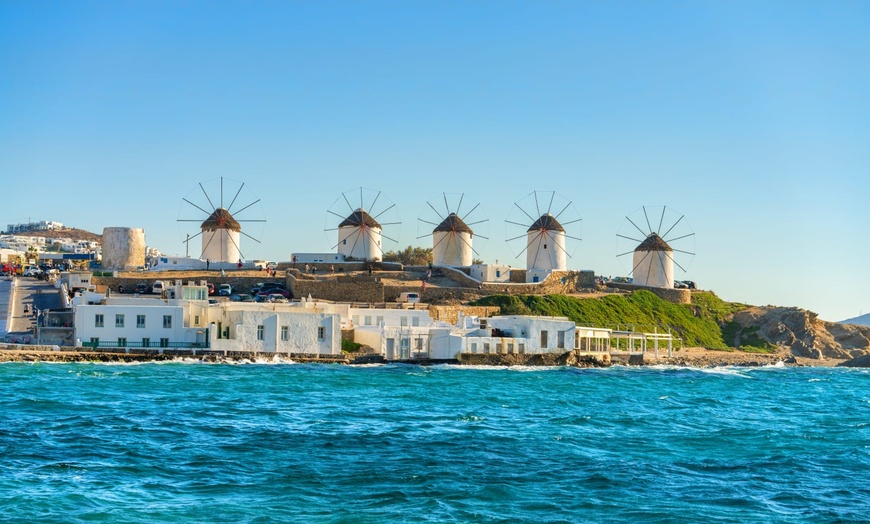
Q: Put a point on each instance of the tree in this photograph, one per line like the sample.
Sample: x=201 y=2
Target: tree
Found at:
x=410 y=256
x=32 y=255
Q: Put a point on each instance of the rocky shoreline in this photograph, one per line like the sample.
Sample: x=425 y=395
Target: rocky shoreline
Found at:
x=693 y=357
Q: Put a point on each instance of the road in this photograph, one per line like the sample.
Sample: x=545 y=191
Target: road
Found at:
x=33 y=295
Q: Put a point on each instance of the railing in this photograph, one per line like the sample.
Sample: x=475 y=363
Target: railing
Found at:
x=142 y=345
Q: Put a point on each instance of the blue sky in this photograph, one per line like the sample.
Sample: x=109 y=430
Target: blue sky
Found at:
x=751 y=118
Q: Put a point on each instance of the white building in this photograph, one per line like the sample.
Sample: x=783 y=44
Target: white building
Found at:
x=653 y=263
x=452 y=242
x=545 y=248
x=490 y=272
x=359 y=237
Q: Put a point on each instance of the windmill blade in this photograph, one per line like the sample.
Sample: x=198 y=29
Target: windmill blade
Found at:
x=390 y=239
x=550 y=206
x=563 y=250
x=222 y=192
x=249 y=236
x=517 y=223
x=684 y=252
x=528 y=244
x=574 y=238
x=467 y=244
x=374 y=202
x=524 y=212
x=424 y=236
x=676 y=263
x=629 y=238
x=461 y=196
x=623 y=254
x=188 y=239
x=649 y=266
x=347 y=202
x=472 y=210
x=662 y=220
x=196 y=206
x=439 y=241
x=189 y=220
x=639 y=229
x=662 y=262
x=250 y=220
x=239 y=249
x=436 y=211
x=433 y=223
x=360 y=198
x=564 y=209
x=233 y=201
x=537 y=207
x=384 y=211
x=516 y=237
x=205 y=247
x=647 y=219
x=390 y=223
x=678 y=238
x=353 y=247
x=478 y=222
x=336 y=214
x=247 y=206
x=639 y=262
x=572 y=222
x=537 y=251
x=673 y=226
x=206 y=196
x=445 y=203
x=332 y=229
x=483 y=237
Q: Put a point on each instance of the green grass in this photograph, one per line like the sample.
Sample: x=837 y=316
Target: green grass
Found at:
x=698 y=324
x=349 y=346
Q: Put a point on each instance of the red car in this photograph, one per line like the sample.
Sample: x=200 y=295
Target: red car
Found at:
x=210 y=289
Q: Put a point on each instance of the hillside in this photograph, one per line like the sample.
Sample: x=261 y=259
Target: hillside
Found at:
x=70 y=232
x=863 y=320
x=708 y=322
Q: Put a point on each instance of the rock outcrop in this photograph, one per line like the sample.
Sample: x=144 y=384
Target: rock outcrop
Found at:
x=804 y=333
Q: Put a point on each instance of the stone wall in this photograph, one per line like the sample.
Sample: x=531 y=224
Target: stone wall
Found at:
x=450 y=314
x=677 y=296
x=331 y=289
x=239 y=284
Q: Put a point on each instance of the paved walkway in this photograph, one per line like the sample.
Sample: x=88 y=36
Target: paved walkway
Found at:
x=5 y=306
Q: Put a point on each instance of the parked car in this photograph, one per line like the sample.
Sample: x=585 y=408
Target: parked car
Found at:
x=241 y=297
x=141 y=289
x=225 y=290
x=31 y=271
x=158 y=287
x=680 y=285
x=411 y=298
x=271 y=265
x=275 y=291
x=277 y=297
x=210 y=289
x=265 y=287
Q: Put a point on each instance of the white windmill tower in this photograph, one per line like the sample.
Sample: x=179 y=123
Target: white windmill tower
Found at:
x=547 y=245
x=654 y=257
x=360 y=235
x=221 y=230
x=452 y=238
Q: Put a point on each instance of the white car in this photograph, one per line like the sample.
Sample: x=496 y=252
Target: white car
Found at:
x=31 y=271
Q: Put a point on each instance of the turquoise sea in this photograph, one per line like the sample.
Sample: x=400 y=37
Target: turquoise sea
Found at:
x=187 y=442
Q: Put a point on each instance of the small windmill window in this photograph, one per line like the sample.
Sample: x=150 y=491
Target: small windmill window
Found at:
x=545 y=246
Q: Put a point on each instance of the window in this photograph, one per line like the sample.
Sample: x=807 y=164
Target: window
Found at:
x=167 y=321
x=195 y=320
x=379 y=320
x=146 y=342
x=483 y=323
x=285 y=333
x=474 y=347
x=98 y=320
x=545 y=246
x=321 y=333
x=486 y=347
x=122 y=342
x=368 y=320
x=543 y=340
x=403 y=321
x=521 y=347
x=576 y=339
x=261 y=332
x=498 y=347
x=415 y=321
x=140 y=321
x=164 y=342
x=119 y=320
x=95 y=342
x=560 y=340
x=344 y=242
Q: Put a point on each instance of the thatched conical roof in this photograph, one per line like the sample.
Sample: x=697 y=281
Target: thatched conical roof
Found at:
x=547 y=222
x=221 y=219
x=453 y=223
x=358 y=218
x=654 y=242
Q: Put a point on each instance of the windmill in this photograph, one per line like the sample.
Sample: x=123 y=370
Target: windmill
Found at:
x=533 y=228
x=220 y=227
x=359 y=233
x=452 y=238
x=656 y=248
